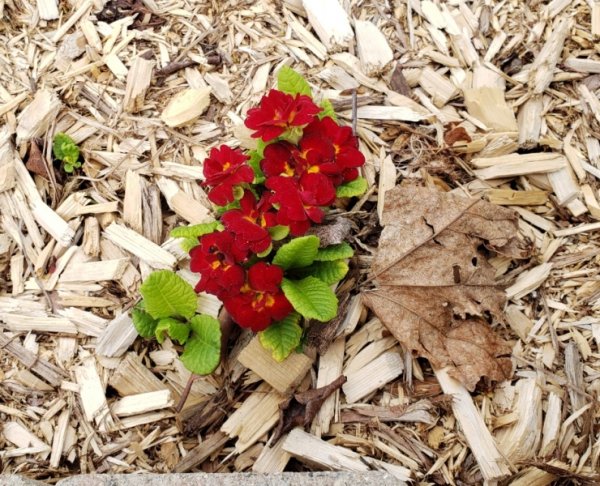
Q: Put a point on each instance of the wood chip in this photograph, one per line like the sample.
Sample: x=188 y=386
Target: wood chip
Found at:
x=139 y=246
x=257 y=415
x=374 y=51
x=138 y=82
x=491 y=462
x=142 y=403
x=92 y=394
x=315 y=451
x=37 y=116
x=53 y=375
x=282 y=376
x=377 y=373
x=330 y=22
x=186 y=106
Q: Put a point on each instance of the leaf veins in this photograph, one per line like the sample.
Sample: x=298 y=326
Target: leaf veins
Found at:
x=436 y=291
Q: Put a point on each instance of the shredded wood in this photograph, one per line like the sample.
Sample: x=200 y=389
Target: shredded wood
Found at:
x=491 y=100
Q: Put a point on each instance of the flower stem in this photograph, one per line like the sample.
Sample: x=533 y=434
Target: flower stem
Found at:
x=186 y=392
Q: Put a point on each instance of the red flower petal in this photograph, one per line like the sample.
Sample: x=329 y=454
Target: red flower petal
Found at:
x=281 y=307
x=241 y=310
x=224 y=169
x=345 y=155
x=315 y=214
x=317 y=189
x=315 y=149
x=278 y=160
x=278 y=112
x=216 y=258
x=221 y=281
x=299 y=228
x=350 y=174
x=265 y=277
x=286 y=193
x=261 y=301
x=249 y=234
x=249 y=224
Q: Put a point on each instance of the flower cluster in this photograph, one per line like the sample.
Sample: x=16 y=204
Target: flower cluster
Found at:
x=283 y=187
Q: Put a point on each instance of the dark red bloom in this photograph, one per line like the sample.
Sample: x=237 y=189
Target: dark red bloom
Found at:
x=297 y=202
x=316 y=189
x=278 y=160
x=249 y=223
x=316 y=154
x=216 y=258
x=278 y=112
x=344 y=150
x=261 y=300
x=224 y=169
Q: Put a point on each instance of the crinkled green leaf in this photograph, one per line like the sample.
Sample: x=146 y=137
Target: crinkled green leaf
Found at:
x=195 y=230
x=264 y=253
x=357 y=187
x=70 y=168
x=327 y=110
x=256 y=157
x=173 y=328
x=282 y=337
x=202 y=352
x=238 y=192
x=279 y=232
x=235 y=204
x=334 y=252
x=143 y=322
x=292 y=135
x=311 y=297
x=166 y=294
x=187 y=244
x=299 y=252
x=329 y=272
x=292 y=82
x=65 y=149
x=254 y=162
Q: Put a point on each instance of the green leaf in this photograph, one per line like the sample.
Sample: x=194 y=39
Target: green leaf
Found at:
x=282 y=337
x=194 y=231
x=264 y=253
x=65 y=149
x=292 y=82
x=187 y=244
x=327 y=110
x=357 y=187
x=173 y=328
x=334 y=252
x=235 y=204
x=292 y=135
x=329 y=272
x=254 y=162
x=166 y=294
x=256 y=157
x=299 y=252
x=279 y=232
x=202 y=352
x=311 y=297
x=143 y=322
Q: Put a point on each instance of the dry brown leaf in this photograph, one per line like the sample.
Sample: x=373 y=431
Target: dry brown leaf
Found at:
x=301 y=408
x=35 y=162
x=332 y=233
x=436 y=291
x=454 y=133
x=398 y=82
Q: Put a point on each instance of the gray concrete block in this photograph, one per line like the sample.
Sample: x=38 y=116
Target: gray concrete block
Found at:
x=374 y=478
